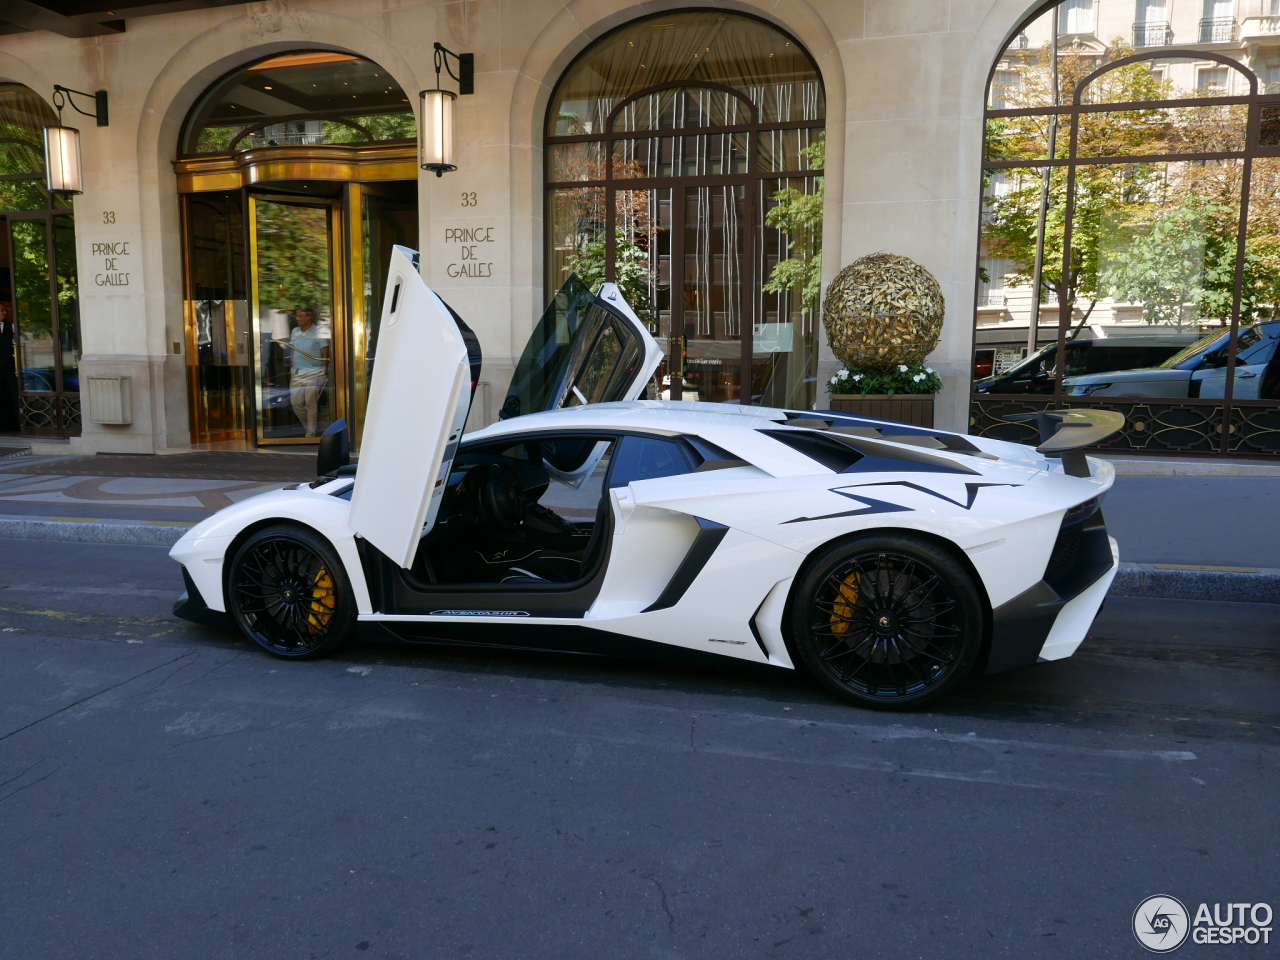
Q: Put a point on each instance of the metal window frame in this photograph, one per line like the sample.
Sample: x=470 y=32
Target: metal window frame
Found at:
x=751 y=220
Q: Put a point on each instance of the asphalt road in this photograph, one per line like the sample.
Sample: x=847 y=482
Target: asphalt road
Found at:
x=167 y=792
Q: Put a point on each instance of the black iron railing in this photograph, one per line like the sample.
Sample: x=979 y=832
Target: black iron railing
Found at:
x=1217 y=29
x=1152 y=33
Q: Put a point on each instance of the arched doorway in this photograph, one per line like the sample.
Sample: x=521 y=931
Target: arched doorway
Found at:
x=667 y=144
x=39 y=297
x=298 y=175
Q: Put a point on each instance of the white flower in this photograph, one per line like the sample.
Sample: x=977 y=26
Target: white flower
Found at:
x=917 y=378
x=928 y=369
x=834 y=380
x=902 y=368
x=857 y=377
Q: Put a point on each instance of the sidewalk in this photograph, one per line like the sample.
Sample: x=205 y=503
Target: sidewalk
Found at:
x=1183 y=537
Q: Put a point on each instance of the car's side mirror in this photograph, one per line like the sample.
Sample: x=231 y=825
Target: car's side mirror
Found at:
x=1214 y=359
x=335 y=450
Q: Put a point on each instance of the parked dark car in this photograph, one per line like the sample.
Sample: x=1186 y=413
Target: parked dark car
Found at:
x=1035 y=374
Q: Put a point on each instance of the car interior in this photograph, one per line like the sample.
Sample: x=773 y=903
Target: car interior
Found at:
x=535 y=513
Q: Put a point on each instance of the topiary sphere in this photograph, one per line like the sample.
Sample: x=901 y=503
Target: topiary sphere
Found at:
x=883 y=310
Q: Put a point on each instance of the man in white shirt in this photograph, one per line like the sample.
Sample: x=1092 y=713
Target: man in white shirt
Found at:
x=309 y=368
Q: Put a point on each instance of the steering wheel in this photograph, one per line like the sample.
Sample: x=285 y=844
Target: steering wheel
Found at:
x=501 y=497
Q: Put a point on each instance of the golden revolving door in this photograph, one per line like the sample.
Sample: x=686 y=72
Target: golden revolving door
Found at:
x=298 y=173
x=284 y=291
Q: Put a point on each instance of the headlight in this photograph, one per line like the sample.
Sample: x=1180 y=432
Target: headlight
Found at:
x=1088 y=389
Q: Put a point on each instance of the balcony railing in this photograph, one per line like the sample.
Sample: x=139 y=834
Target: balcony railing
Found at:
x=992 y=300
x=1217 y=29
x=1260 y=28
x=1152 y=33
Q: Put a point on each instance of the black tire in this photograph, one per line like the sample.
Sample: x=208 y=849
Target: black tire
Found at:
x=288 y=592
x=889 y=622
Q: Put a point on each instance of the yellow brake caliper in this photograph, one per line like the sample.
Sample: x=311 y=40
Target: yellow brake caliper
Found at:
x=846 y=600
x=323 y=600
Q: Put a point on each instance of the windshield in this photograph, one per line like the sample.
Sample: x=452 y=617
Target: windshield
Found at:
x=1200 y=345
x=543 y=365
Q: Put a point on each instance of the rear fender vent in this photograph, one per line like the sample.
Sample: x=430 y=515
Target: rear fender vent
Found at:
x=831 y=453
x=1082 y=552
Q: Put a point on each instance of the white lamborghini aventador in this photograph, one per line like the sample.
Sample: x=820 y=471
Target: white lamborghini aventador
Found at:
x=890 y=561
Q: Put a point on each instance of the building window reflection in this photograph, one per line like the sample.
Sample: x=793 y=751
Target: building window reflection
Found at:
x=1127 y=248
x=666 y=144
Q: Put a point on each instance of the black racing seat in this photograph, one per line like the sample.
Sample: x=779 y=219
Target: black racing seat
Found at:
x=565 y=569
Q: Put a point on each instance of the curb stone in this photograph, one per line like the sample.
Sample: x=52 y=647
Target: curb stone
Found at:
x=155 y=533
x=1188 y=582
x=1157 y=580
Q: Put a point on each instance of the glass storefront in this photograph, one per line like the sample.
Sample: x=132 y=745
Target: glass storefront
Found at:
x=285 y=273
x=1128 y=255
x=668 y=143
x=39 y=295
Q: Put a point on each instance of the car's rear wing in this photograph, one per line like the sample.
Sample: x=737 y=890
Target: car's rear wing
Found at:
x=1066 y=433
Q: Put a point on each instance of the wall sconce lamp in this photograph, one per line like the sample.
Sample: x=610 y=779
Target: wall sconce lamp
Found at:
x=435 y=140
x=63 y=173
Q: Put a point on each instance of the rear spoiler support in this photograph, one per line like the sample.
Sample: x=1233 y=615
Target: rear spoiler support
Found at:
x=1066 y=433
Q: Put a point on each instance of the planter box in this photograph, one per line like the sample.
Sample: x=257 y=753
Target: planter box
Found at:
x=913 y=408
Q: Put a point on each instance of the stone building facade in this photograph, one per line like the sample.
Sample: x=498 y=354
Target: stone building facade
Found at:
x=903 y=87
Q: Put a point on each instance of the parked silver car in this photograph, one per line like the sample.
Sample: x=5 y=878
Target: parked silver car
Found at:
x=1198 y=371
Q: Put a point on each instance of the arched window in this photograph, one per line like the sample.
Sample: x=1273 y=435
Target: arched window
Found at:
x=667 y=144
x=38 y=288
x=302 y=98
x=1128 y=252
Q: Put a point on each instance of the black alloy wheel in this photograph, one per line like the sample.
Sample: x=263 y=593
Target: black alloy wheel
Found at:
x=889 y=622
x=288 y=593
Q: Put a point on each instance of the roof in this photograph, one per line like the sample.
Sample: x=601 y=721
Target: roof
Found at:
x=661 y=416
x=883 y=444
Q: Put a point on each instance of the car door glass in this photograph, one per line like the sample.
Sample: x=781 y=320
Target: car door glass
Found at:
x=545 y=365
x=1257 y=346
x=1077 y=360
x=602 y=348
x=605 y=361
x=646 y=458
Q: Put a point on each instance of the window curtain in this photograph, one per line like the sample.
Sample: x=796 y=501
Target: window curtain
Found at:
x=1076 y=16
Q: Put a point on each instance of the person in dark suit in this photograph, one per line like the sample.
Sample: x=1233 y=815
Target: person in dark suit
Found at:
x=8 y=371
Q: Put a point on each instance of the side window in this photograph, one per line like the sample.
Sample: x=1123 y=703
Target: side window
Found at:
x=608 y=357
x=645 y=458
x=1255 y=349
x=575 y=483
x=593 y=378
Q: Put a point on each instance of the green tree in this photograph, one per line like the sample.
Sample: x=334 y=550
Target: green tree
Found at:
x=1164 y=267
x=1106 y=196
x=631 y=270
x=799 y=215
x=293 y=253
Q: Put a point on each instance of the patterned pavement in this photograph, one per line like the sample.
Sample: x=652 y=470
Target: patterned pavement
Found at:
x=106 y=496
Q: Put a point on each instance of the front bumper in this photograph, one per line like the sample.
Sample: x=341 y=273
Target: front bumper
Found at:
x=191 y=606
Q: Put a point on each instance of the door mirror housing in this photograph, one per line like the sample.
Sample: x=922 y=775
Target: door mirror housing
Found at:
x=335 y=450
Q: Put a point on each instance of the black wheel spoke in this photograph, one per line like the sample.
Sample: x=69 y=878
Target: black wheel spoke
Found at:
x=887 y=625
x=285 y=595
